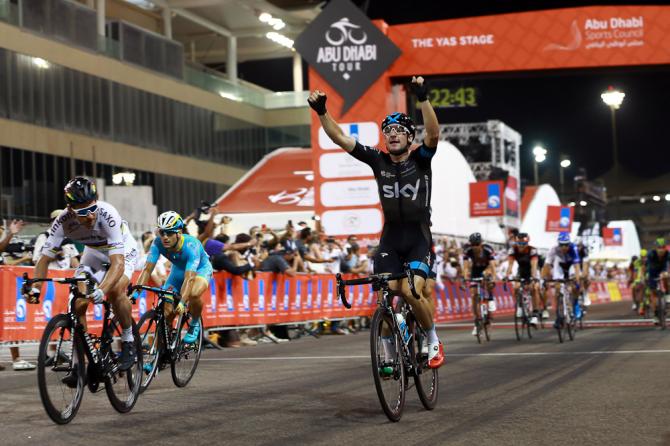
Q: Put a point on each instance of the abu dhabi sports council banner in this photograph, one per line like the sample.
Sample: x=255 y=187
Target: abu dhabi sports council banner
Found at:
x=559 y=218
x=486 y=199
x=553 y=39
x=612 y=237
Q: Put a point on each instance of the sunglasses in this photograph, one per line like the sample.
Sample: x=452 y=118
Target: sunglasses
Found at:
x=83 y=212
x=398 y=129
x=163 y=232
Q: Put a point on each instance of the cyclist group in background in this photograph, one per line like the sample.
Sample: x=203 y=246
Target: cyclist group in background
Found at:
x=648 y=277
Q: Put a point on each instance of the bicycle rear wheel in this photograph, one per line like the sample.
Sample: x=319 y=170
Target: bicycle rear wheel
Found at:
x=60 y=354
x=185 y=357
x=486 y=323
x=518 y=320
x=390 y=389
x=152 y=347
x=425 y=379
x=122 y=386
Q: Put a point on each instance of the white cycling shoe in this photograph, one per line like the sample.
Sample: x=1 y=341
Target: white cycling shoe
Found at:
x=519 y=312
x=533 y=320
x=492 y=306
x=587 y=300
x=474 y=331
x=545 y=314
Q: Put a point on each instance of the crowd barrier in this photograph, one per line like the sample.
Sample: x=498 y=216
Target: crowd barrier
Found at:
x=233 y=301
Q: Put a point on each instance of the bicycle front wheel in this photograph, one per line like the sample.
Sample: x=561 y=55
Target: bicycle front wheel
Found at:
x=661 y=308
x=150 y=336
x=425 y=378
x=60 y=370
x=388 y=369
x=122 y=386
x=185 y=357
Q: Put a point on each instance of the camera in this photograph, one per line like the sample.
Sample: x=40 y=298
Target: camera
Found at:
x=205 y=206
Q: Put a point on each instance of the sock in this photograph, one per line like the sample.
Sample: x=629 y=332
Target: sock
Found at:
x=127 y=335
x=389 y=350
x=432 y=335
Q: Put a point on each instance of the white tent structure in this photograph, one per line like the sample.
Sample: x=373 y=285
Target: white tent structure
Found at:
x=451 y=198
x=630 y=243
x=535 y=217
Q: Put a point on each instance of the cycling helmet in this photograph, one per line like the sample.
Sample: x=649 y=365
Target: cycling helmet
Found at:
x=475 y=238
x=643 y=253
x=522 y=238
x=400 y=119
x=80 y=190
x=170 y=221
x=660 y=242
x=563 y=238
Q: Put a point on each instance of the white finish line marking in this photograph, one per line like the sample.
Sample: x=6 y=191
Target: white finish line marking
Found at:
x=317 y=358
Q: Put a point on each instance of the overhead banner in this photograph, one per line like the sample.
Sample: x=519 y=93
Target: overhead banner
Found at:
x=344 y=47
x=551 y=39
x=612 y=237
x=559 y=218
x=486 y=199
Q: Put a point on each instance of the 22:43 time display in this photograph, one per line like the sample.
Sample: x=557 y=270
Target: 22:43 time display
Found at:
x=459 y=97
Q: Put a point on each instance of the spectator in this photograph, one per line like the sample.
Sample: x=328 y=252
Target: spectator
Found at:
x=354 y=262
x=279 y=262
x=160 y=272
x=333 y=252
x=309 y=256
x=14 y=228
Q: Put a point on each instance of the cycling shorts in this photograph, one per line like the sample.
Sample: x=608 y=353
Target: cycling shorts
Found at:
x=404 y=243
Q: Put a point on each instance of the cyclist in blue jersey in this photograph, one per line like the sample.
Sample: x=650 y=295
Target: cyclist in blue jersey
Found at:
x=404 y=181
x=190 y=272
x=563 y=262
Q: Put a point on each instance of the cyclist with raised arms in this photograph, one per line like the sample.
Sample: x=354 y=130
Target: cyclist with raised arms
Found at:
x=656 y=268
x=479 y=262
x=563 y=263
x=404 y=180
x=190 y=273
x=526 y=257
x=107 y=240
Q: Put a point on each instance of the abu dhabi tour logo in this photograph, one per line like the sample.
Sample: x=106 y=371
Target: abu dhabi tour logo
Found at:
x=346 y=49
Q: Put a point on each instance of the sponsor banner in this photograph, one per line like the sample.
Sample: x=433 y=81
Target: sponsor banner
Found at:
x=342 y=165
x=612 y=237
x=559 y=219
x=268 y=299
x=551 y=39
x=349 y=193
x=512 y=198
x=352 y=221
x=486 y=199
x=344 y=47
x=367 y=133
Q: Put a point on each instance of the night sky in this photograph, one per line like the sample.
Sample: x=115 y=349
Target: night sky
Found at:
x=561 y=110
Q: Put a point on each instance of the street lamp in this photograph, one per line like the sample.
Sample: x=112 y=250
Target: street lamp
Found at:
x=613 y=99
x=565 y=163
x=540 y=154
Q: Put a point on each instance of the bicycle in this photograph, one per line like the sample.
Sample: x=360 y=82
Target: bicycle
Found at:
x=162 y=344
x=409 y=356
x=65 y=348
x=483 y=322
x=661 y=303
x=564 y=311
x=522 y=305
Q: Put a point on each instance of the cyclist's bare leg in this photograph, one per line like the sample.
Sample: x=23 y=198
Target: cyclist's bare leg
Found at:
x=535 y=291
x=475 y=307
x=121 y=303
x=428 y=292
x=423 y=309
x=195 y=302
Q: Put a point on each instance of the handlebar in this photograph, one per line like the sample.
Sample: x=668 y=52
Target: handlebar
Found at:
x=376 y=281
x=90 y=284
x=159 y=291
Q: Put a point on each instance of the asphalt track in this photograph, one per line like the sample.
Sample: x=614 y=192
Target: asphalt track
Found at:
x=609 y=386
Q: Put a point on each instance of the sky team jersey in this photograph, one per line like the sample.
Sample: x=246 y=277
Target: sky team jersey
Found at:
x=404 y=188
x=657 y=264
x=109 y=233
x=190 y=256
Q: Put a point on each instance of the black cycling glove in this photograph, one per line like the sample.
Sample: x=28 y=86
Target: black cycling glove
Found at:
x=319 y=105
x=421 y=91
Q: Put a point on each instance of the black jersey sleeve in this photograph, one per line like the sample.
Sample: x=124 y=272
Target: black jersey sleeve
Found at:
x=423 y=154
x=366 y=154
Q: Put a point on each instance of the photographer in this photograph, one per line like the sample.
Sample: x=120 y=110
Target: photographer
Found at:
x=12 y=229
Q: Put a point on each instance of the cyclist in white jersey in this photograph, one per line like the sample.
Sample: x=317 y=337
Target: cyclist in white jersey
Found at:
x=98 y=226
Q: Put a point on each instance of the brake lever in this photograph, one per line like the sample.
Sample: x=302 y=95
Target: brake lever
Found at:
x=341 y=291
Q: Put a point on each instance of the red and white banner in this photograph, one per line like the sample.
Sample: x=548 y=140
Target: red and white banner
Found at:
x=486 y=199
x=559 y=218
x=612 y=236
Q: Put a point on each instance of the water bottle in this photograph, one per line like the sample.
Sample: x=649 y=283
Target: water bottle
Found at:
x=578 y=310
x=403 y=327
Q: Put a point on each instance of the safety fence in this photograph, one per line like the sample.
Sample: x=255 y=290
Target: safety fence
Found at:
x=267 y=299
